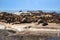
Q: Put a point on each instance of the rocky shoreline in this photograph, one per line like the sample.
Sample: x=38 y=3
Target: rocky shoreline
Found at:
x=30 y=17
x=29 y=26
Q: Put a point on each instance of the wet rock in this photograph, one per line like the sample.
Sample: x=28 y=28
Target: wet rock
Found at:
x=45 y=24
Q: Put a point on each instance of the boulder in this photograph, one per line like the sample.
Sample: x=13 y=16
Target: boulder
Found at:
x=26 y=20
x=40 y=21
x=45 y=24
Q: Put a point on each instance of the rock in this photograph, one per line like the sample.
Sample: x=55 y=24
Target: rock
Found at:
x=28 y=27
x=2 y=26
x=40 y=21
x=26 y=20
x=16 y=22
x=23 y=20
x=11 y=31
x=4 y=33
x=45 y=23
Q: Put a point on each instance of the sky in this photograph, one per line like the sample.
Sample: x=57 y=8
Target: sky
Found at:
x=29 y=5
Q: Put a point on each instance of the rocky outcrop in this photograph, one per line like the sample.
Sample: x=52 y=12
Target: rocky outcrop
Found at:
x=30 y=17
x=20 y=31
